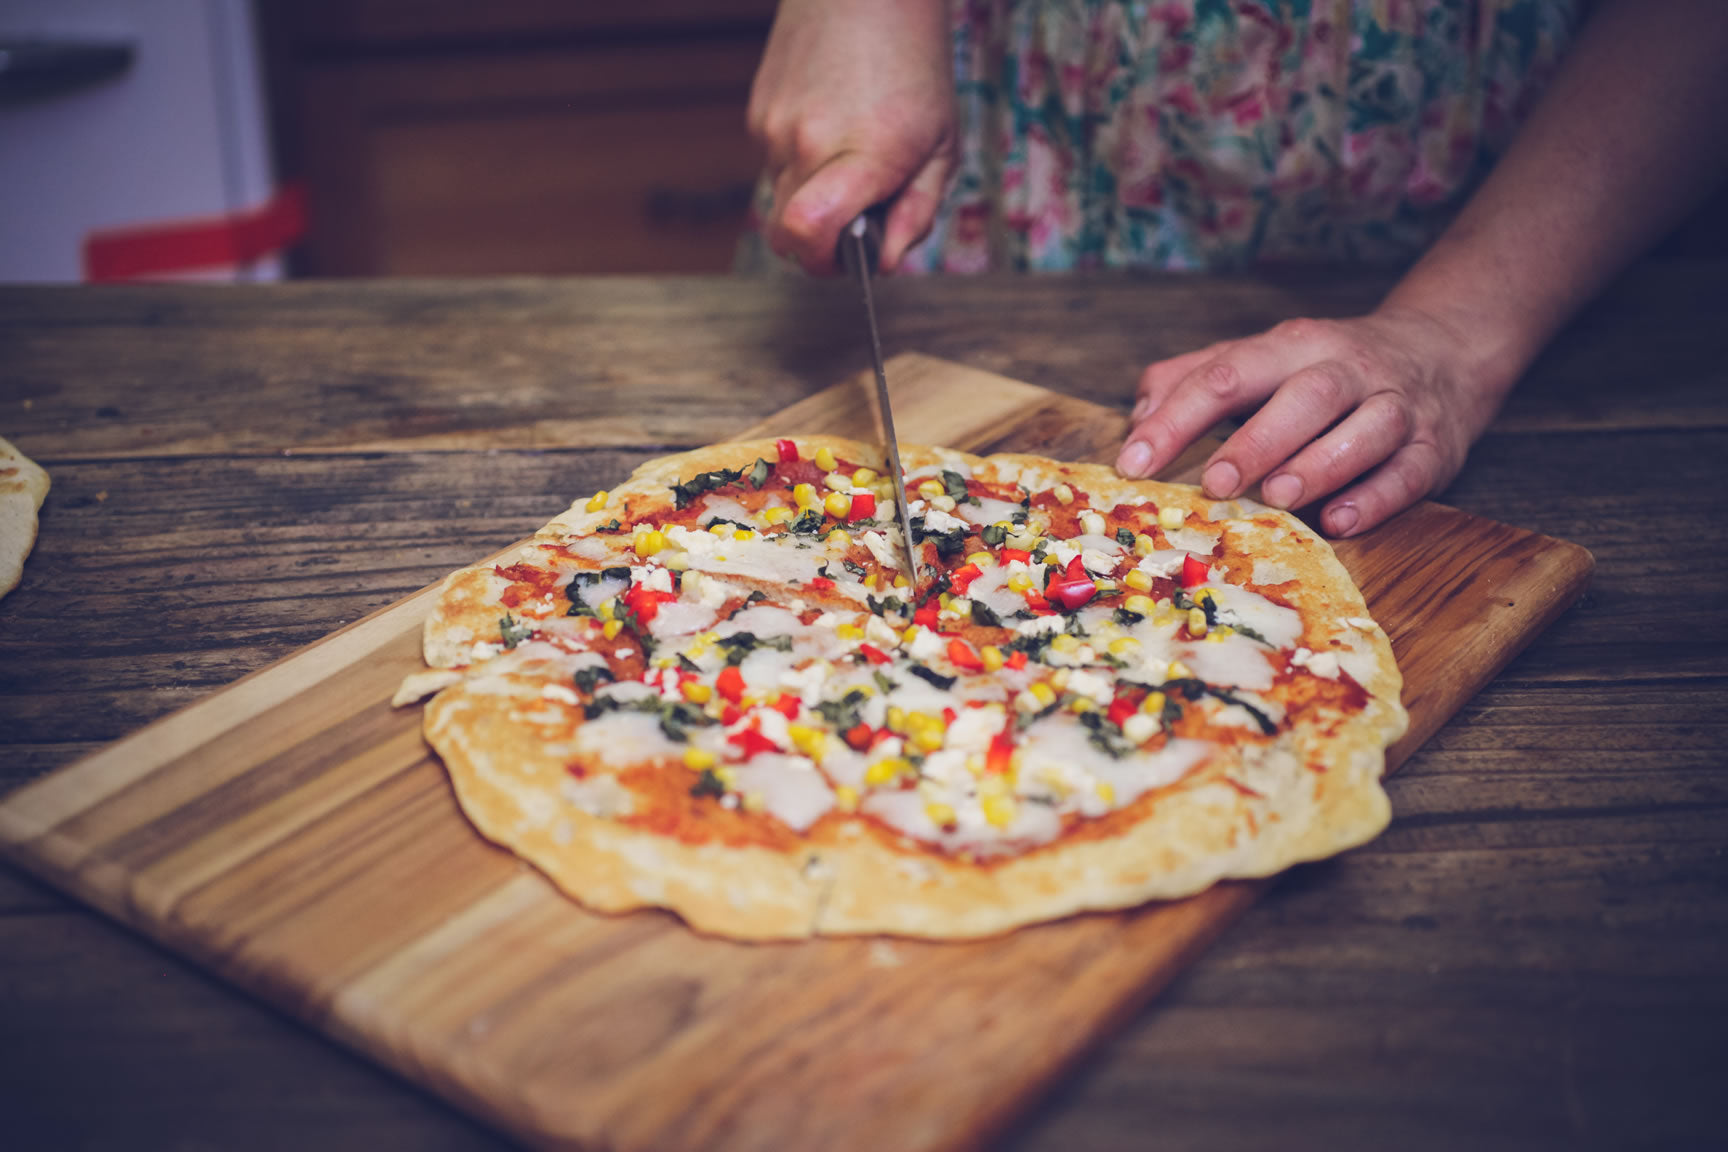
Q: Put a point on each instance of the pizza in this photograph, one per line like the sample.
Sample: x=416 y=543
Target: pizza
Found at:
x=23 y=487
x=716 y=690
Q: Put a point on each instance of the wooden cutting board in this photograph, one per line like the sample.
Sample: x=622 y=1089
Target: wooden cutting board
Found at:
x=293 y=833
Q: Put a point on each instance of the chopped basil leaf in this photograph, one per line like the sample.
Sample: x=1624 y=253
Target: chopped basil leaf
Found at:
x=884 y=681
x=856 y=569
x=843 y=713
x=688 y=664
x=935 y=679
x=983 y=614
x=1126 y=618
x=1194 y=689
x=1104 y=735
x=723 y=520
x=759 y=472
x=1034 y=645
x=611 y=525
x=741 y=644
x=756 y=597
x=809 y=522
x=955 y=485
x=885 y=605
x=683 y=494
x=708 y=784
x=993 y=535
x=513 y=631
x=1125 y=537
x=587 y=679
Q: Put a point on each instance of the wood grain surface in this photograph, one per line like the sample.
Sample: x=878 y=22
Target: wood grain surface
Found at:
x=1531 y=957
x=293 y=833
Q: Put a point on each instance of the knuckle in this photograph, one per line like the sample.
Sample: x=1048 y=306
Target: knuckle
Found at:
x=1221 y=381
x=1302 y=330
x=1323 y=385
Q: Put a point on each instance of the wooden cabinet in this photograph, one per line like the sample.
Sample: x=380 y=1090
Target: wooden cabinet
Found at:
x=532 y=136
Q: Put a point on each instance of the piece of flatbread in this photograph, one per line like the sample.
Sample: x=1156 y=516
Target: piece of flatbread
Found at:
x=23 y=487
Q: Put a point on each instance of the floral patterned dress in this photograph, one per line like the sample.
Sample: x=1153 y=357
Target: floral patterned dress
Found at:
x=1216 y=134
x=1220 y=133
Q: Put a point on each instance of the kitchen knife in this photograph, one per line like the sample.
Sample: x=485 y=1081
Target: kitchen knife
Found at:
x=859 y=247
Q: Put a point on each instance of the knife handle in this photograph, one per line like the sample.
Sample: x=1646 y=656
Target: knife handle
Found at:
x=868 y=227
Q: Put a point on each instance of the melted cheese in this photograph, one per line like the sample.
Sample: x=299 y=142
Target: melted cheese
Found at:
x=791 y=789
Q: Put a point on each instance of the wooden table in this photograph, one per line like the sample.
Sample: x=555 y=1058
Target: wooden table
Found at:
x=1534 y=956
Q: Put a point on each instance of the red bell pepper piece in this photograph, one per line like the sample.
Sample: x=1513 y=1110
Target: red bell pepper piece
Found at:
x=1073 y=588
x=1009 y=555
x=1016 y=660
x=1120 y=709
x=645 y=602
x=875 y=655
x=751 y=741
x=863 y=506
x=1194 y=571
x=1035 y=601
x=858 y=736
x=960 y=655
x=926 y=616
x=788 y=450
x=787 y=705
x=821 y=583
x=1001 y=755
x=962 y=578
x=730 y=683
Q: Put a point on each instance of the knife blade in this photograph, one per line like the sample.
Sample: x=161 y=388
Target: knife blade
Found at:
x=859 y=247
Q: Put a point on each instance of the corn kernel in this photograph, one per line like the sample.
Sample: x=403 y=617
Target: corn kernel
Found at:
x=805 y=495
x=1179 y=671
x=608 y=609
x=1197 y=621
x=1138 y=580
x=1123 y=648
x=776 y=515
x=1063 y=494
x=1044 y=694
x=1065 y=644
x=1082 y=704
x=1091 y=523
x=650 y=542
x=992 y=657
x=742 y=534
x=697 y=692
x=998 y=810
x=754 y=802
x=1170 y=518
x=1020 y=582
x=896 y=719
x=982 y=559
x=1220 y=634
x=885 y=771
x=1107 y=792
x=598 y=500
x=611 y=628
x=837 y=504
x=900 y=581
x=863 y=476
x=944 y=503
x=676 y=561
x=835 y=482
x=1144 y=545
x=838 y=539
x=945 y=599
x=849 y=632
x=720 y=530
x=1140 y=604
x=930 y=489
x=910 y=634
x=941 y=815
x=699 y=758
x=1059 y=679
x=806 y=739
x=1153 y=705
x=846 y=798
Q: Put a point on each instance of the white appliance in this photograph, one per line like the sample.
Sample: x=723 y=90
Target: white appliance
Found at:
x=125 y=114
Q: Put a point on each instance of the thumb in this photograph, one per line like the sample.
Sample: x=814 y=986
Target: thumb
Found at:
x=808 y=227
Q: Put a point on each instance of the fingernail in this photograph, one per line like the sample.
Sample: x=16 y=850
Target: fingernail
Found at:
x=1283 y=490
x=1136 y=459
x=1343 y=520
x=1221 y=479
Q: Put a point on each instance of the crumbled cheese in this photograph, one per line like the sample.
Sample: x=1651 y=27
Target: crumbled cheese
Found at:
x=1097 y=562
x=1091 y=685
x=937 y=520
x=881 y=549
x=881 y=633
x=652 y=577
x=926 y=645
x=1039 y=625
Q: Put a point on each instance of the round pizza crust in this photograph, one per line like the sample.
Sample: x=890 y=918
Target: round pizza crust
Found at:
x=1313 y=792
x=23 y=487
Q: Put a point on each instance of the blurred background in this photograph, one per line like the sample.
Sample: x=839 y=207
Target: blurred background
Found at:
x=252 y=139
x=247 y=139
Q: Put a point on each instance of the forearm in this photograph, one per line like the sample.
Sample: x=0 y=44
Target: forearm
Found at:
x=1632 y=133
